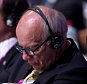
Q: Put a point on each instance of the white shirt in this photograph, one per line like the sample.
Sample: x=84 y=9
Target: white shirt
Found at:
x=72 y=33
x=85 y=56
x=6 y=45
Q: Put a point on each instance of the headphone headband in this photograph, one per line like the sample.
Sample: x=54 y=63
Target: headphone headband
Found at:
x=56 y=39
x=37 y=10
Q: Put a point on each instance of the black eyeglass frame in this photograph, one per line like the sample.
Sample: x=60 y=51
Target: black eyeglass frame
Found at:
x=30 y=51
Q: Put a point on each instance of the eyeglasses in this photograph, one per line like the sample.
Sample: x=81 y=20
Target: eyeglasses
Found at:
x=28 y=50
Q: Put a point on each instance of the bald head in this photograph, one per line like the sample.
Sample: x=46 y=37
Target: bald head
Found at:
x=33 y=21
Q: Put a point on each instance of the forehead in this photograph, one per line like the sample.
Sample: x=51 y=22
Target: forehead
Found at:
x=30 y=28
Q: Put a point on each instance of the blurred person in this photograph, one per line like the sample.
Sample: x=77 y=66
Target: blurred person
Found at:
x=83 y=41
x=11 y=60
x=10 y=13
x=55 y=59
x=82 y=34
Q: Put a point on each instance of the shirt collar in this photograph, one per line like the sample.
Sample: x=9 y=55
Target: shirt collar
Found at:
x=6 y=45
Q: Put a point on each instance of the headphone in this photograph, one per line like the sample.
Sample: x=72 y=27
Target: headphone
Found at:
x=10 y=20
x=56 y=39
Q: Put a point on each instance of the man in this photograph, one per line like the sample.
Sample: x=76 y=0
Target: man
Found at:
x=10 y=13
x=41 y=34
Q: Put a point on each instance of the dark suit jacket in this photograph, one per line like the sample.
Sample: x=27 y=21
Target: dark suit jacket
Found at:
x=9 y=59
x=20 y=70
x=16 y=72
x=70 y=69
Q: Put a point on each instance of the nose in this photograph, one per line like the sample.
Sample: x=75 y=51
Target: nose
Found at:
x=25 y=56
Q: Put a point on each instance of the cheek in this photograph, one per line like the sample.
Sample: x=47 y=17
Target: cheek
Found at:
x=47 y=57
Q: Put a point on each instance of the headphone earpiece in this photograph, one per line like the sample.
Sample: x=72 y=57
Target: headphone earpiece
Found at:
x=9 y=22
x=56 y=41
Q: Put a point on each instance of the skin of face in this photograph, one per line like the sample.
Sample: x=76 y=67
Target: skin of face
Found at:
x=30 y=33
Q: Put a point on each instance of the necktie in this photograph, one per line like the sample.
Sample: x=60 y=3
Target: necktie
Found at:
x=31 y=77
